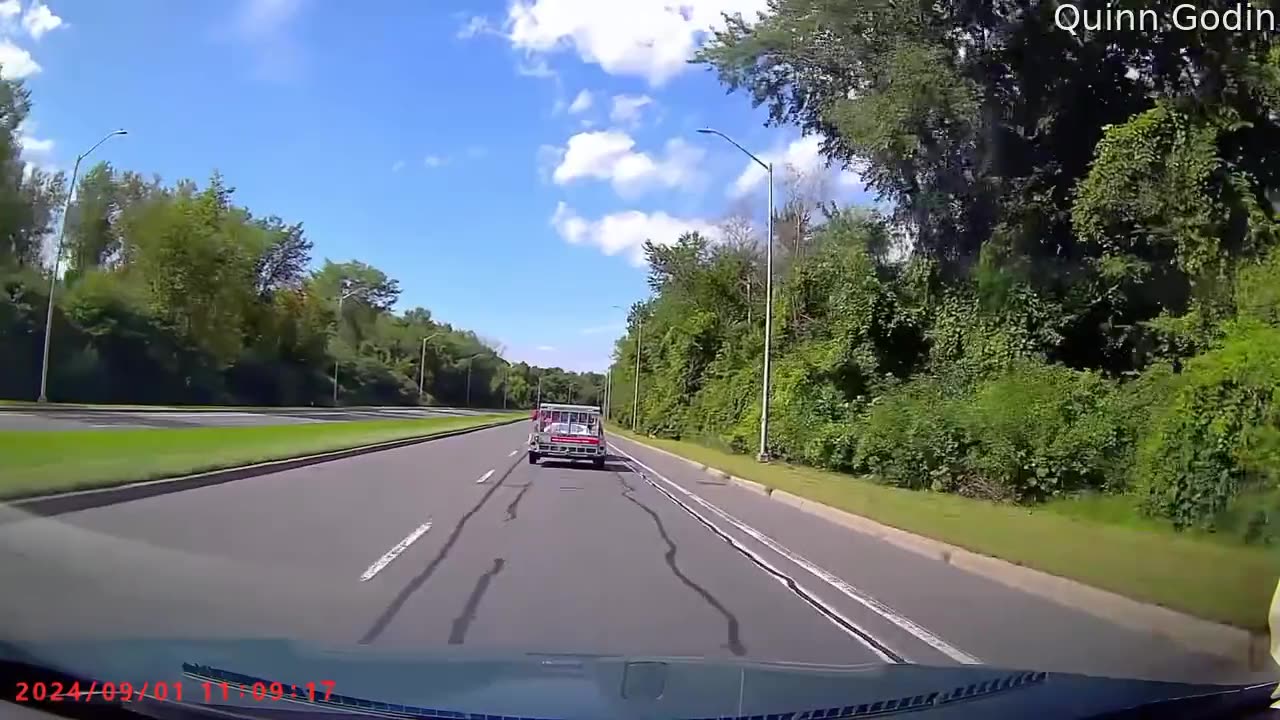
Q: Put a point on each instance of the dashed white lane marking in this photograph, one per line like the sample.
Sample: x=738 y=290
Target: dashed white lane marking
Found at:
x=484 y=477
x=394 y=552
x=512 y=453
x=826 y=576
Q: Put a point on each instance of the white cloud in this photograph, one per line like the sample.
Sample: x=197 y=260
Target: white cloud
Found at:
x=475 y=26
x=626 y=108
x=548 y=157
x=546 y=348
x=803 y=154
x=609 y=155
x=652 y=39
x=626 y=232
x=16 y=63
x=39 y=20
x=535 y=67
x=32 y=144
x=262 y=17
x=433 y=161
x=9 y=9
x=581 y=103
x=266 y=27
x=397 y=166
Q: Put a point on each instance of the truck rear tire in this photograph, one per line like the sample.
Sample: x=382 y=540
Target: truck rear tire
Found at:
x=598 y=463
x=533 y=458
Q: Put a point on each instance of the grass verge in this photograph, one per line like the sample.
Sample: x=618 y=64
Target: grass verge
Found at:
x=1200 y=576
x=127 y=407
x=34 y=462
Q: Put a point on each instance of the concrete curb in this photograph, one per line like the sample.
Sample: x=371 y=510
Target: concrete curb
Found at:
x=75 y=500
x=1236 y=644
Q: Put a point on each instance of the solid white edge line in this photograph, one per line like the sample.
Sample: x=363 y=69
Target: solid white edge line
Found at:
x=849 y=626
x=394 y=552
x=879 y=608
x=484 y=477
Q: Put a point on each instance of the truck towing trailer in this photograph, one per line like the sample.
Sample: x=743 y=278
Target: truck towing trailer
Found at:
x=568 y=432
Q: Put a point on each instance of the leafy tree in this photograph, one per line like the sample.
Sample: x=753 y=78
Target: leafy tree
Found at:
x=174 y=293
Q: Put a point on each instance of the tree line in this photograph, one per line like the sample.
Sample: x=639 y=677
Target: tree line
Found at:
x=173 y=293
x=1077 y=289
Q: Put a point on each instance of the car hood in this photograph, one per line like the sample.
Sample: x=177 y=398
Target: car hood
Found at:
x=459 y=683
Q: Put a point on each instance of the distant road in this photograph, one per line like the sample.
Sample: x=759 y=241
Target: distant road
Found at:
x=461 y=543
x=28 y=417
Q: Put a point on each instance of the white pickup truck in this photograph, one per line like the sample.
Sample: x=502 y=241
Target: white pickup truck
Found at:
x=568 y=432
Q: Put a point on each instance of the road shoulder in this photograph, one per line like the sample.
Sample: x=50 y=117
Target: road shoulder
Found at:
x=1240 y=648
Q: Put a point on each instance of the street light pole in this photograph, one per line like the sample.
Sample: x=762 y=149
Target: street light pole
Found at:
x=422 y=366
x=635 y=395
x=763 y=456
x=608 y=390
x=57 y=258
x=336 y=360
x=635 y=398
x=470 y=361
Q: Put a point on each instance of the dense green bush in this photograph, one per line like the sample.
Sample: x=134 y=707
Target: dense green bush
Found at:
x=1032 y=432
x=1213 y=441
x=1257 y=292
x=728 y=407
x=915 y=438
x=1040 y=431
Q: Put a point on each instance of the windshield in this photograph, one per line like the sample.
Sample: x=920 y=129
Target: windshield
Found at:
x=797 y=332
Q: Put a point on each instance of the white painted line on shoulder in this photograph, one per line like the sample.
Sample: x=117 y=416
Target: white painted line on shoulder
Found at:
x=394 y=552
x=484 y=477
x=826 y=576
x=512 y=453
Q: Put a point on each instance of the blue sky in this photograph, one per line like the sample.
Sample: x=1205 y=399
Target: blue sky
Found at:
x=474 y=151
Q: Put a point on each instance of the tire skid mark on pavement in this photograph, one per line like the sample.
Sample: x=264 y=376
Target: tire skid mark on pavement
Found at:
x=515 y=504
x=882 y=651
x=879 y=608
x=458 y=633
x=389 y=614
x=734 y=641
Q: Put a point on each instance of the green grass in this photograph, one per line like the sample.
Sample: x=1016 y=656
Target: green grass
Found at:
x=35 y=462
x=1099 y=541
x=31 y=404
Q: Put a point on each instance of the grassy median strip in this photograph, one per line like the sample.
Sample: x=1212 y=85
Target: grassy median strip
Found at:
x=34 y=462
x=1200 y=576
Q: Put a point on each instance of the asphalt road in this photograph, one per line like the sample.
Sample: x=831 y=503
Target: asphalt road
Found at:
x=460 y=542
x=32 y=418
